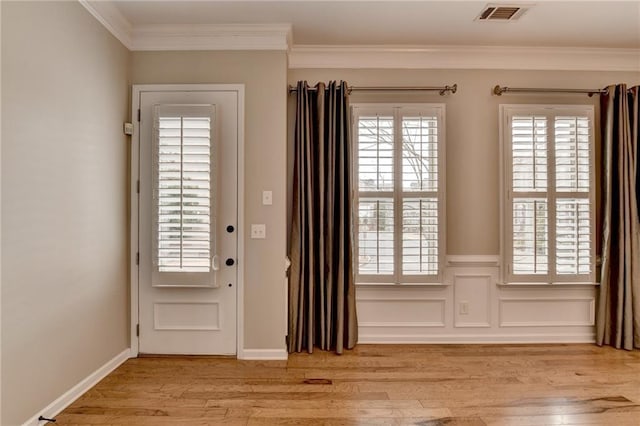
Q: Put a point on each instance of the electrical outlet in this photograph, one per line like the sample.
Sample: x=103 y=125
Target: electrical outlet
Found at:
x=258 y=231
x=464 y=308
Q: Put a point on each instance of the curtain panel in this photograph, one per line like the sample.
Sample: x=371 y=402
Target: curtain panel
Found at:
x=618 y=319
x=322 y=306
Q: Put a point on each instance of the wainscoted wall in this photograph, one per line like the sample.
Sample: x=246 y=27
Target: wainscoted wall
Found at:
x=495 y=313
x=471 y=307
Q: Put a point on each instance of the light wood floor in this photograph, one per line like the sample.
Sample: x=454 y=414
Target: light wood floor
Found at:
x=468 y=385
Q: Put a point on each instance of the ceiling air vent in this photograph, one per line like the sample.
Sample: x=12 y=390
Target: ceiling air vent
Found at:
x=501 y=12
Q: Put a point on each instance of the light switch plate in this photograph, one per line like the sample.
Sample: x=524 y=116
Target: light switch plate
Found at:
x=267 y=198
x=258 y=231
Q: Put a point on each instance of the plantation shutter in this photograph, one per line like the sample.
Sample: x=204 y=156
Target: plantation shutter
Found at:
x=376 y=209
x=573 y=204
x=184 y=195
x=420 y=183
x=550 y=195
x=399 y=168
x=530 y=236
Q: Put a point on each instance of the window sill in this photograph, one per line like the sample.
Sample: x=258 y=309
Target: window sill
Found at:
x=548 y=284
x=398 y=285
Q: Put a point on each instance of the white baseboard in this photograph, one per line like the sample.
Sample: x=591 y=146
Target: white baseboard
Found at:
x=478 y=338
x=264 y=354
x=66 y=399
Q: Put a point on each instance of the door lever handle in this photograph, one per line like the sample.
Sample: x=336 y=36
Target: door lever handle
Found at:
x=214 y=263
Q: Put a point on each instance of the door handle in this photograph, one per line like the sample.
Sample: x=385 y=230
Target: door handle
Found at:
x=214 y=263
x=230 y=262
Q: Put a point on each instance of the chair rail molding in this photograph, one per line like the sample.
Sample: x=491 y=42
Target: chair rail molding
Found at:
x=473 y=261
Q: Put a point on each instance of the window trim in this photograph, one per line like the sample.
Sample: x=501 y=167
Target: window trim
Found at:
x=550 y=111
x=398 y=110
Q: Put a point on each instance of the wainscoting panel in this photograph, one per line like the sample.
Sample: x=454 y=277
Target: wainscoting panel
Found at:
x=494 y=313
x=547 y=312
x=396 y=312
x=472 y=300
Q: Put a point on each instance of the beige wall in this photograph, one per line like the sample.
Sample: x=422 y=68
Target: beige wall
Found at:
x=0 y=223
x=264 y=75
x=64 y=202
x=472 y=185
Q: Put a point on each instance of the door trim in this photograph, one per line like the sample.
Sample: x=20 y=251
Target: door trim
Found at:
x=136 y=92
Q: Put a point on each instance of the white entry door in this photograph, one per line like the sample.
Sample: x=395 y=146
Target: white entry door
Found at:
x=188 y=214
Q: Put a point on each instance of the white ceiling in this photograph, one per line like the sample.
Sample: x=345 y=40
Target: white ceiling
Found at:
x=546 y=24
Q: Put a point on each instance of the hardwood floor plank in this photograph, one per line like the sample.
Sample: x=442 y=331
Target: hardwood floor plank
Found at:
x=126 y=402
x=387 y=421
x=563 y=419
x=161 y=411
x=587 y=407
x=423 y=385
x=316 y=403
x=347 y=413
x=141 y=420
x=285 y=395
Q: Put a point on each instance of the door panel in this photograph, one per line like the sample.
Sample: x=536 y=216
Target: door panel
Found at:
x=188 y=199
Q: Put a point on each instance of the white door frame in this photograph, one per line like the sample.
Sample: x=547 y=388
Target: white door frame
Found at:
x=137 y=90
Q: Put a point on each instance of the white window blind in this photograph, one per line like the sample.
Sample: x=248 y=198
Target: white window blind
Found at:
x=375 y=236
x=375 y=153
x=529 y=153
x=400 y=197
x=549 y=193
x=530 y=236
x=184 y=189
x=573 y=142
x=420 y=236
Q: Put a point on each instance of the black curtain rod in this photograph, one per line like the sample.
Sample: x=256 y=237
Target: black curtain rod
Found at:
x=442 y=90
x=499 y=90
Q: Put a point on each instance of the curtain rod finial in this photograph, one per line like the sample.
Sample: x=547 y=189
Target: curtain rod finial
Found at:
x=498 y=90
x=452 y=89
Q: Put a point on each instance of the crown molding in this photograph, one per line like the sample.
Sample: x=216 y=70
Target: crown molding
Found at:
x=279 y=37
x=109 y=16
x=189 y=37
x=212 y=37
x=465 y=57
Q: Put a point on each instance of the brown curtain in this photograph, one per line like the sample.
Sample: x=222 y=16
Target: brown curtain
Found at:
x=322 y=306
x=618 y=320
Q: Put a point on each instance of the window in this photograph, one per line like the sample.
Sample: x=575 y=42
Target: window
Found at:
x=183 y=197
x=548 y=194
x=399 y=173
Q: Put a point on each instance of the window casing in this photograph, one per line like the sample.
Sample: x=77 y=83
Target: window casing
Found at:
x=548 y=194
x=399 y=160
